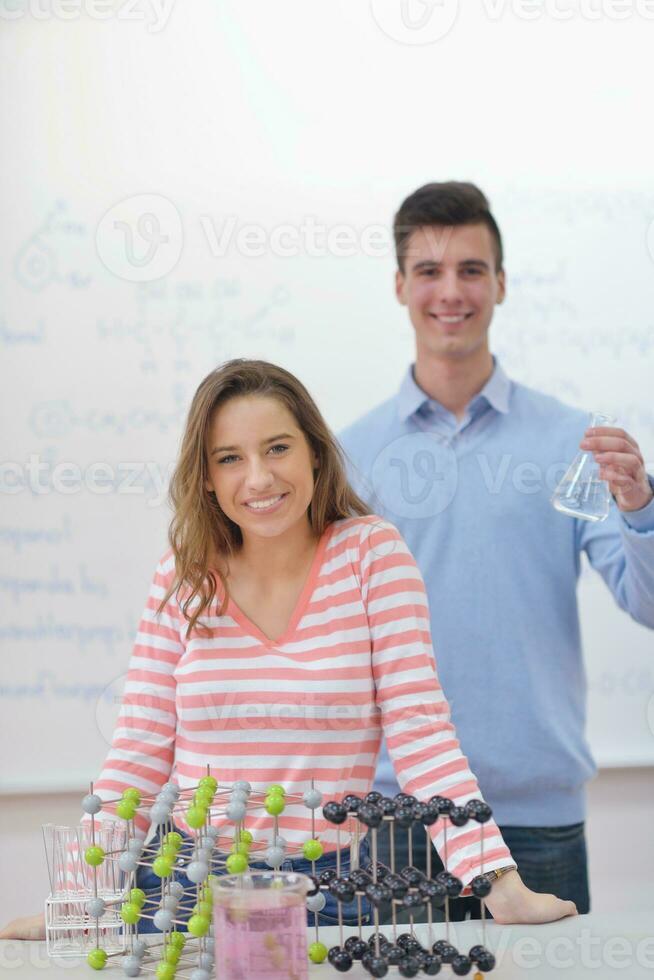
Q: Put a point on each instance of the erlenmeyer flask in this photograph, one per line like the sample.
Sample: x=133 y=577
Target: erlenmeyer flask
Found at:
x=581 y=493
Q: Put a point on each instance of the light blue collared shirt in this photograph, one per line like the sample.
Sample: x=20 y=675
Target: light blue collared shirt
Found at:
x=471 y=497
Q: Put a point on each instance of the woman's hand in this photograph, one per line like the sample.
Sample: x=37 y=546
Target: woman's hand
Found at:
x=27 y=927
x=511 y=902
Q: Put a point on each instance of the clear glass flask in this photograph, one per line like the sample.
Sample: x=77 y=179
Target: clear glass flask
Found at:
x=260 y=921
x=581 y=493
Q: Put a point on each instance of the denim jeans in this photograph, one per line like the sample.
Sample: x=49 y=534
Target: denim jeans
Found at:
x=151 y=885
x=549 y=859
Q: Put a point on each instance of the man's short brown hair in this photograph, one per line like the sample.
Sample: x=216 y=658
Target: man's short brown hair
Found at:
x=451 y=202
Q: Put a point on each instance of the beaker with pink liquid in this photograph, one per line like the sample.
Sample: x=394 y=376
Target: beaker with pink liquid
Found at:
x=260 y=923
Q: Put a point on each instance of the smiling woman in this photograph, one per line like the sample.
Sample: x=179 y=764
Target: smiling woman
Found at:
x=286 y=629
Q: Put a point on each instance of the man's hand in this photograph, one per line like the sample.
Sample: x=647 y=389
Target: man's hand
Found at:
x=511 y=902
x=27 y=927
x=621 y=464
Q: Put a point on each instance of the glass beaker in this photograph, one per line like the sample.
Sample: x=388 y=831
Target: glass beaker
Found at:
x=581 y=493
x=260 y=922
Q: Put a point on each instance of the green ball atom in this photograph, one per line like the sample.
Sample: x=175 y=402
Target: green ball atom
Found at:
x=169 y=851
x=126 y=809
x=203 y=907
x=162 y=866
x=196 y=816
x=172 y=837
x=131 y=793
x=317 y=952
x=130 y=913
x=165 y=971
x=275 y=790
x=210 y=782
x=97 y=959
x=94 y=856
x=177 y=939
x=198 y=925
x=137 y=897
x=172 y=955
x=203 y=797
x=241 y=848
x=245 y=837
x=312 y=850
x=236 y=864
x=275 y=804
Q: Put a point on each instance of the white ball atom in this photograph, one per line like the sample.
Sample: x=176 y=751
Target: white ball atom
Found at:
x=316 y=903
x=127 y=862
x=211 y=832
x=171 y=788
x=200 y=974
x=131 y=966
x=96 y=907
x=176 y=889
x=206 y=961
x=274 y=856
x=91 y=803
x=235 y=811
x=312 y=798
x=197 y=871
x=135 y=845
x=163 y=919
x=210 y=945
x=159 y=813
x=139 y=948
x=170 y=902
x=243 y=785
x=280 y=842
x=238 y=796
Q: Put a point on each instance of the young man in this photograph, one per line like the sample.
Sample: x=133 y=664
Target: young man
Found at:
x=500 y=564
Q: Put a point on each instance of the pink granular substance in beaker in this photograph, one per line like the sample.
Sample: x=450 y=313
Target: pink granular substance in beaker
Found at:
x=261 y=935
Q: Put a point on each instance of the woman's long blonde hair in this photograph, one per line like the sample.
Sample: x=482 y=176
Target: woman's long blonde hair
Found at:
x=199 y=529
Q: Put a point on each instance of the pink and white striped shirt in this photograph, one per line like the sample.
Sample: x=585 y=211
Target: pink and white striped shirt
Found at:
x=355 y=660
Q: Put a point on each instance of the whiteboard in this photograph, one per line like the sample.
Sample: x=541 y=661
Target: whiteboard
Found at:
x=272 y=169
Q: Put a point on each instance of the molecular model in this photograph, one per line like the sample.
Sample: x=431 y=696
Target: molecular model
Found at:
x=111 y=910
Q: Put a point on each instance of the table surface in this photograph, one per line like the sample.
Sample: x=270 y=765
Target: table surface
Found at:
x=596 y=945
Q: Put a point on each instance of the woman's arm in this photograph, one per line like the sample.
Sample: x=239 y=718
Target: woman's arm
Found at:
x=142 y=751
x=420 y=736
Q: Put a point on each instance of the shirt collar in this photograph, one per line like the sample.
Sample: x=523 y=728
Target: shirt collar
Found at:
x=496 y=392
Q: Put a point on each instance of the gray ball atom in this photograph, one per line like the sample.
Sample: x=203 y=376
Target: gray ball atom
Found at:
x=316 y=903
x=274 y=856
x=206 y=961
x=135 y=845
x=235 y=811
x=242 y=784
x=170 y=787
x=127 y=862
x=96 y=907
x=91 y=803
x=238 y=795
x=176 y=888
x=203 y=854
x=131 y=966
x=139 y=948
x=163 y=919
x=280 y=842
x=197 y=871
x=159 y=813
x=170 y=902
x=200 y=974
x=312 y=798
x=211 y=832
x=210 y=945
